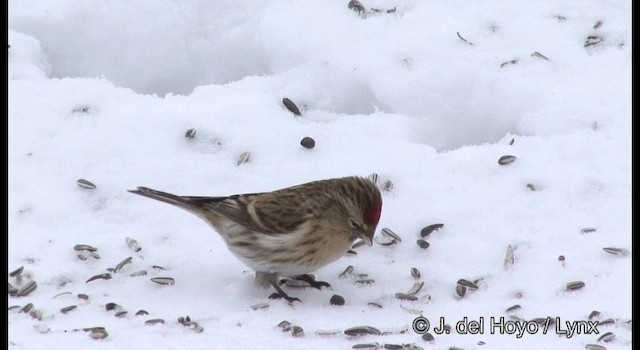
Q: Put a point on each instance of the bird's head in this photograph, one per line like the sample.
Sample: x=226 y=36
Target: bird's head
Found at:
x=365 y=217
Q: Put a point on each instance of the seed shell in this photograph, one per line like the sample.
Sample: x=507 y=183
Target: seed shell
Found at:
x=427 y=230
x=85 y=184
x=467 y=283
x=415 y=273
x=367 y=346
x=594 y=314
x=133 y=244
x=616 y=251
x=513 y=308
x=191 y=133
x=98 y=334
x=575 y=285
x=27 y=289
x=16 y=272
x=122 y=264
x=362 y=330
x=164 y=280
x=336 y=300
x=82 y=247
x=508 y=159
x=415 y=288
x=142 y=313
x=285 y=325
x=259 y=306
x=373 y=178
x=422 y=243
x=244 y=158
x=138 y=273
x=594 y=347
x=153 y=321
x=387 y=186
x=27 y=308
x=607 y=322
x=291 y=106
x=428 y=337
x=607 y=337
x=403 y=296
x=104 y=276
x=66 y=309
x=297 y=331
x=121 y=313
x=390 y=234
x=347 y=271
x=461 y=290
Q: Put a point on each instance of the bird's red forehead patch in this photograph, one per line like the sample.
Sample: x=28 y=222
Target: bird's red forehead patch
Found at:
x=372 y=215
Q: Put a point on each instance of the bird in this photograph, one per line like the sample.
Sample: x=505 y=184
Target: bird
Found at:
x=290 y=232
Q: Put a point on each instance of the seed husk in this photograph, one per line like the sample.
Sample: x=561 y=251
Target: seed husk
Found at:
x=575 y=285
x=259 y=306
x=616 y=251
x=285 y=325
x=104 y=276
x=467 y=283
x=352 y=252
x=153 y=321
x=531 y=187
x=27 y=289
x=12 y=290
x=415 y=288
x=415 y=273
x=191 y=133
x=461 y=290
x=427 y=230
x=594 y=314
x=358 y=244
x=373 y=178
x=297 y=331
x=422 y=243
x=597 y=25
x=355 y=5
x=607 y=322
x=122 y=264
x=393 y=346
x=291 y=106
x=121 y=313
x=142 y=313
x=607 y=337
x=133 y=244
x=507 y=159
x=411 y=310
x=592 y=40
x=98 y=333
x=387 y=185
x=513 y=308
x=164 y=280
x=244 y=158
x=336 y=300
x=588 y=230
x=84 y=247
x=37 y=314
x=404 y=296
x=308 y=142
x=362 y=330
x=325 y=332
x=347 y=271
x=365 y=281
x=66 y=309
x=16 y=272
x=509 y=258
x=539 y=55
x=371 y=346
x=390 y=234
x=27 y=308
x=111 y=306
x=428 y=337
x=61 y=294
x=13 y=307
x=514 y=61
x=156 y=267
x=375 y=305
x=138 y=273
x=85 y=184
x=594 y=347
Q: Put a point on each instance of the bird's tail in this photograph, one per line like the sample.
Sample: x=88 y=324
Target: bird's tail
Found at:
x=182 y=202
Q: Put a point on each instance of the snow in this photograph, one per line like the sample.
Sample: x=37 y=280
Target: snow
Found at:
x=106 y=91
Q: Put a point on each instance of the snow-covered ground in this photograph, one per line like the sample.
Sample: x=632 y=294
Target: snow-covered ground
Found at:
x=428 y=96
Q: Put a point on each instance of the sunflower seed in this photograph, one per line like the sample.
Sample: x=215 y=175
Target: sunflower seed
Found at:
x=153 y=321
x=575 y=285
x=415 y=273
x=561 y=259
x=156 y=267
x=336 y=300
x=393 y=346
x=415 y=288
x=297 y=331
x=387 y=185
x=37 y=314
x=352 y=252
x=81 y=247
x=531 y=187
x=616 y=251
x=390 y=234
x=513 y=308
x=509 y=258
x=455 y=348
x=607 y=337
x=358 y=244
x=355 y=5
x=508 y=159
x=463 y=39
x=142 y=313
x=386 y=244
x=285 y=325
x=539 y=55
x=16 y=272
x=594 y=314
x=85 y=184
x=365 y=281
x=403 y=296
x=121 y=313
x=607 y=322
x=98 y=333
x=362 y=330
x=324 y=332
x=66 y=309
x=428 y=337
x=122 y=264
x=244 y=157
x=514 y=61
x=104 y=276
x=592 y=40
x=512 y=141
x=308 y=142
x=111 y=306
x=428 y=229
x=347 y=271
x=422 y=243
x=467 y=283
x=371 y=346
x=461 y=290
x=61 y=294
x=27 y=289
x=597 y=25
x=375 y=305
x=594 y=347
x=164 y=280
x=191 y=133
x=291 y=106
x=138 y=273
x=26 y=308
x=13 y=307
x=133 y=244
x=259 y=306
x=373 y=178
x=588 y=230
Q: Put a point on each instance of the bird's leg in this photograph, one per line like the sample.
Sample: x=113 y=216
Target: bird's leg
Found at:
x=273 y=280
x=312 y=281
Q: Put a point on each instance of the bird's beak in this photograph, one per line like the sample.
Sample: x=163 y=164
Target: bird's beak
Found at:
x=366 y=240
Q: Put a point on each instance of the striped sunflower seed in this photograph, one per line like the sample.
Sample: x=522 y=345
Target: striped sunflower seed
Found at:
x=66 y=309
x=461 y=290
x=154 y=321
x=358 y=244
x=575 y=285
x=297 y=331
x=133 y=244
x=325 y=332
x=37 y=314
x=592 y=40
x=122 y=264
x=84 y=247
x=588 y=230
x=284 y=325
x=27 y=289
x=291 y=106
x=594 y=314
x=415 y=273
x=83 y=296
x=403 y=296
x=156 y=267
x=513 y=308
x=393 y=346
x=347 y=271
x=27 y=308
x=422 y=243
x=191 y=133
x=508 y=159
x=367 y=346
x=259 y=306
x=121 y=313
x=362 y=330
x=164 y=280
x=415 y=288
x=244 y=158
x=373 y=178
x=467 y=283
x=594 y=347
x=428 y=337
x=427 y=230
x=616 y=251
x=142 y=313
x=16 y=272
x=104 y=276
x=61 y=294
x=390 y=234
x=365 y=281
x=85 y=184
x=138 y=273
x=607 y=337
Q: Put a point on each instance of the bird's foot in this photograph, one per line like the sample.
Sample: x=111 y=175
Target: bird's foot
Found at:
x=312 y=281
x=284 y=296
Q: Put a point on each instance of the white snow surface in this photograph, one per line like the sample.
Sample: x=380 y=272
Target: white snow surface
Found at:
x=105 y=91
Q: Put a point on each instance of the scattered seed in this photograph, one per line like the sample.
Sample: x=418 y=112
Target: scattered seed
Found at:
x=85 y=184
x=371 y=346
x=13 y=307
x=362 y=330
x=415 y=288
x=390 y=234
x=111 y=306
x=514 y=61
x=428 y=337
x=594 y=314
x=323 y=332
x=373 y=178
x=607 y=322
x=592 y=40
x=308 y=142
x=481 y=343
x=415 y=273
x=122 y=263
x=607 y=337
x=393 y=346
x=355 y=5
x=375 y=305
x=153 y=321
x=296 y=283
x=461 y=290
x=512 y=141
x=597 y=25
x=336 y=300
x=616 y=251
x=513 y=308
x=575 y=285
x=509 y=258
x=403 y=296
x=142 y=313
x=198 y=329
x=159 y=268
x=539 y=55
x=387 y=186
x=98 y=333
x=508 y=159
x=16 y=272
x=104 y=276
x=588 y=230
x=121 y=313
x=561 y=259
x=467 y=283
x=347 y=271
x=27 y=289
x=244 y=158
x=531 y=187
x=427 y=230
x=455 y=348
x=26 y=308
x=594 y=347
x=422 y=243
x=138 y=273
x=297 y=331
x=285 y=325
x=463 y=39
x=191 y=133
x=386 y=244
x=82 y=247
x=560 y=18
x=259 y=306
x=365 y=281
x=61 y=294
x=133 y=244
x=291 y=106
x=164 y=280
x=66 y=309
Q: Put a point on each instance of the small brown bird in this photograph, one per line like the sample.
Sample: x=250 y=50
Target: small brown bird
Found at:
x=289 y=232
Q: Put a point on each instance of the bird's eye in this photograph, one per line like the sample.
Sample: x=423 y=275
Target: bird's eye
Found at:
x=355 y=225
